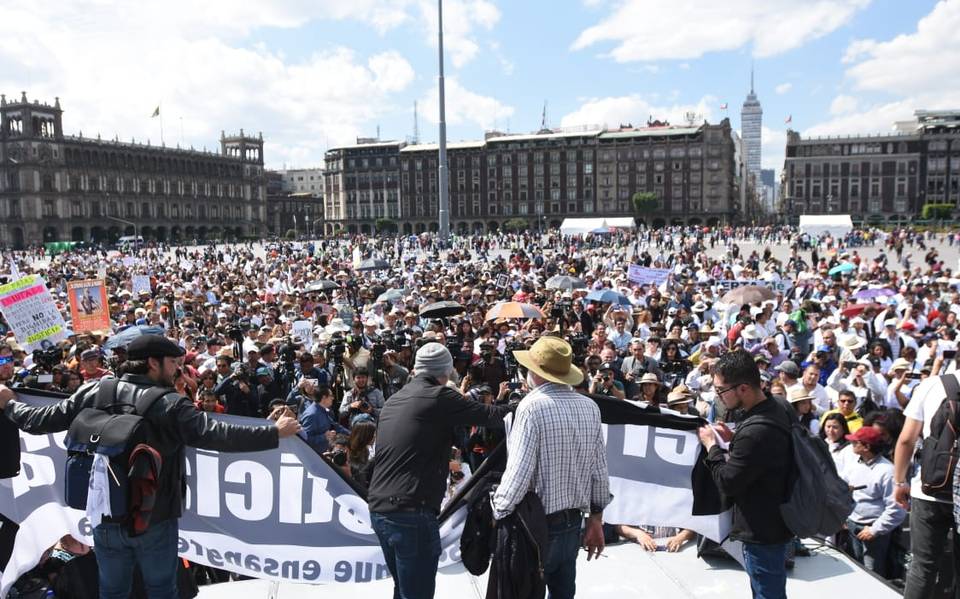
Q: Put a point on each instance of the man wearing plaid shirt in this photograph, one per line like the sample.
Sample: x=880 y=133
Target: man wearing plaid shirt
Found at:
x=556 y=449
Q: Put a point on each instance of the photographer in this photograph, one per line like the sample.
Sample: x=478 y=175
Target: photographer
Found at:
x=235 y=390
x=317 y=417
x=355 y=355
x=636 y=365
x=605 y=383
x=493 y=366
x=362 y=398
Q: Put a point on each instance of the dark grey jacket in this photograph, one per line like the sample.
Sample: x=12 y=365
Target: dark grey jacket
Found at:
x=175 y=420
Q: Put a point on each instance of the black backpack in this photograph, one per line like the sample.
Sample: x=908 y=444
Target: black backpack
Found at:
x=112 y=429
x=939 y=455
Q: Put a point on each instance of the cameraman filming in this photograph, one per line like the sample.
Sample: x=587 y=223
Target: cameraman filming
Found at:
x=494 y=368
x=236 y=389
x=362 y=398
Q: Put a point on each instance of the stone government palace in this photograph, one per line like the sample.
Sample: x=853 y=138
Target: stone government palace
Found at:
x=56 y=187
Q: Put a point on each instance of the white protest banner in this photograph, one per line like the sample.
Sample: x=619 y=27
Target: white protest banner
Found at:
x=285 y=514
x=141 y=283
x=129 y=261
x=304 y=330
x=647 y=276
x=781 y=286
x=31 y=313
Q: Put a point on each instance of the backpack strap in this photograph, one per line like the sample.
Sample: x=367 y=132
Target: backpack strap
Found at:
x=151 y=397
x=951 y=386
x=106 y=394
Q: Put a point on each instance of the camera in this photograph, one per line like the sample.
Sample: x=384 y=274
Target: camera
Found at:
x=579 y=344
x=336 y=348
x=377 y=349
x=287 y=353
x=338 y=457
x=235 y=333
x=46 y=359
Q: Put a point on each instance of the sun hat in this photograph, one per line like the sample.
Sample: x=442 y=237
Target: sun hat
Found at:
x=649 y=378
x=852 y=342
x=680 y=394
x=797 y=394
x=551 y=358
x=900 y=364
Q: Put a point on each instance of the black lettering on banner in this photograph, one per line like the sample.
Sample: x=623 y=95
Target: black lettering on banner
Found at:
x=290 y=570
x=213 y=556
x=311 y=570
x=342 y=571
x=252 y=563
x=183 y=546
x=271 y=566
x=232 y=557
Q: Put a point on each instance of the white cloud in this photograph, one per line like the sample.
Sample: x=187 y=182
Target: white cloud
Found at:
x=461 y=20
x=843 y=104
x=636 y=109
x=772 y=145
x=648 y=30
x=918 y=69
x=464 y=106
x=783 y=88
x=111 y=66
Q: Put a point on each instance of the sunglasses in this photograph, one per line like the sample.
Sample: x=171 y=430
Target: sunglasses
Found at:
x=5 y=360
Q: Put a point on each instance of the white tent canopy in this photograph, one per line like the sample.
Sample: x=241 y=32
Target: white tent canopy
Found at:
x=815 y=225
x=582 y=226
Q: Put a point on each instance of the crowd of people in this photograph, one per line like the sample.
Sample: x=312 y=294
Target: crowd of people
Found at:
x=328 y=331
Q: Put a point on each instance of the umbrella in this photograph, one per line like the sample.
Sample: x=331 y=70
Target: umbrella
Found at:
x=856 y=309
x=441 y=310
x=373 y=264
x=391 y=295
x=321 y=285
x=871 y=293
x=842 y=268
x=513 y=310
x=565 y=282
x=608 y=296
x=124 y=337
x=748 y=294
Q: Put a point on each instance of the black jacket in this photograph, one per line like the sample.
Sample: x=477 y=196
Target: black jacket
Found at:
x=754 y=474
x=520 y=553
x=414 y=436
x=176 y=422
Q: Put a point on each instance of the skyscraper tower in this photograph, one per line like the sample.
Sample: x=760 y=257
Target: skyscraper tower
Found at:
x=751 y=120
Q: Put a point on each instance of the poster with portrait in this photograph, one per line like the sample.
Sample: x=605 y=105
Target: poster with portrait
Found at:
x=88 y=305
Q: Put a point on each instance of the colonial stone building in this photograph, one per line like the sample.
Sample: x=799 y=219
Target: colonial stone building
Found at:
x=539 y=178
x=885 y=178
x=55 y=187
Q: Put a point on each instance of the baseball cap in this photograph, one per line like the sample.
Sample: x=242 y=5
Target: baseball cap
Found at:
x=789 y=367
x=866 y=434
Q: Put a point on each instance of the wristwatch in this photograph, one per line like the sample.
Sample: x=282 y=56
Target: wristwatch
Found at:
x=901 y=484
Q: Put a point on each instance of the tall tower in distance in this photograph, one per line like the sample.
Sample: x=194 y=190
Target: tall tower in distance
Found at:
x=751 y=120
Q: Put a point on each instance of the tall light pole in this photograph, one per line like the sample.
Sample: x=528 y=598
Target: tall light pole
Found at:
x=442 y=167
x=136 y=236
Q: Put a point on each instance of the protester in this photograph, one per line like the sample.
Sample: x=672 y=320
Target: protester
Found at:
x=153 y=360
x=540 y=443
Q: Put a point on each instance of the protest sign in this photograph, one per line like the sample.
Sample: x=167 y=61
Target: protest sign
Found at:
x=285 y=514
x=304 y=330
x=31 y=313
x=141 y=283
x=88 y=305
x=781 y=286
x=647 y=276
x=129 y=261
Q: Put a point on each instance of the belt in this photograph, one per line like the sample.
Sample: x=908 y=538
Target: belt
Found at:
x=564 y=517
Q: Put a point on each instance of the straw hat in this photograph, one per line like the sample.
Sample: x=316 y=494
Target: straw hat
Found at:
x=901 y=364
x=551 y=358
x=798 y=393
x=649 y=378
x=751 y=331
x=680 y=394
x=852 y=342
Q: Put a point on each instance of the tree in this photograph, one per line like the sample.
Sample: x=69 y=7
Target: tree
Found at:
x=385 y=225
x=516 y=224
x=291 y=234
x=936 y=211
x=644 y=202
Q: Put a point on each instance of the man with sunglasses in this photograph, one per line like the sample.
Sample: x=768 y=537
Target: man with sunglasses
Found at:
x=753 y=471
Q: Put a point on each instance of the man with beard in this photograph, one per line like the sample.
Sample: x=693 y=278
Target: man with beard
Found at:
x=153 y=362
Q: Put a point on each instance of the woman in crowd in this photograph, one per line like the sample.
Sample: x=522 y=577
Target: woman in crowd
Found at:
x=834 y=431
x=363 y=435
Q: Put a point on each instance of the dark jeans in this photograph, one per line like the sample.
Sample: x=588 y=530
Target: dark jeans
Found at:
x=155 y=551
x=766 y=567
x=411 y=548
x=560 y=568
x=930 y=522
x=872 y=554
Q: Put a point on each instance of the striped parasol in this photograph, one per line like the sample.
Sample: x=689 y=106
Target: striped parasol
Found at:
x=513 y=310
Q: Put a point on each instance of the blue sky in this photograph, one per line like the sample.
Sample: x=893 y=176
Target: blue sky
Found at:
x=311 y=74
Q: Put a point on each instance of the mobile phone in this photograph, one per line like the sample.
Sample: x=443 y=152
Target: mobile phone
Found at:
x=849 y=364
x=514 y=385
x=949 y=354
x=913 y=375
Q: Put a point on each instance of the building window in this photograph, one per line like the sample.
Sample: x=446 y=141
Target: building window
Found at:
x=49 y=210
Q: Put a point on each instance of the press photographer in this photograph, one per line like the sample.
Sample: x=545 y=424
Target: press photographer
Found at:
x=494 y=367
x=362 y=397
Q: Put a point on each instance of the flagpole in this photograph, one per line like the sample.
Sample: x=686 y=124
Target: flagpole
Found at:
x=161 y=126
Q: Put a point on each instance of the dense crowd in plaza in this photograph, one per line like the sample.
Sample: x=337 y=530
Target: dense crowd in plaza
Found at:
x=328 y=331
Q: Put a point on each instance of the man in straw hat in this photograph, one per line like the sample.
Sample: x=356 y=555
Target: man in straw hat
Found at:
x=556 y=448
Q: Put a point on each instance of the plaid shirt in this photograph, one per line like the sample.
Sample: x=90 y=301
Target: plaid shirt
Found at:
x=556 y=449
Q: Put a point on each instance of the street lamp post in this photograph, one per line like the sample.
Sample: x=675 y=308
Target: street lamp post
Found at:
x=136 y=235
x=444 y=203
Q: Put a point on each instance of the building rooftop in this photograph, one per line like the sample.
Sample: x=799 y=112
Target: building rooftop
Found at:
x=544 y=136
x=133 y=145
x=451 y=145
x=650 y=132
x=372 y=144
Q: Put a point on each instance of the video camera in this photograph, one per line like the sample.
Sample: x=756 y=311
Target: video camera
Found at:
x=579 y=344
x=46 y=359
x=336 y=347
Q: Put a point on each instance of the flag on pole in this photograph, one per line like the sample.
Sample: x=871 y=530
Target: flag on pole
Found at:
x=723 y=106
x=789 y=119
x=156 y=112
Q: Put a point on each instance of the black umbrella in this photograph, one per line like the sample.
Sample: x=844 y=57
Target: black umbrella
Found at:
x=565 y=282
x=124 y=337
x=441 y=310
x=322 y=285
x=373 y=264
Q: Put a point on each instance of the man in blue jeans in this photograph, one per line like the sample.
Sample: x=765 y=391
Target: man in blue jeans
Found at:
x=753 y=471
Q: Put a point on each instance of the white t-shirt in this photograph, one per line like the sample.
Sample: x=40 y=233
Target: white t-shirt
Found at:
x=927 y=397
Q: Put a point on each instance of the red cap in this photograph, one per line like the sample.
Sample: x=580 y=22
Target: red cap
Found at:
x=867 y=434
x=908 y=326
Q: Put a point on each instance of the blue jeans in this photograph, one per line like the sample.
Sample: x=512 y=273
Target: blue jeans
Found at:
x=766 y=567
x=155 y=551
x=560 y=567
x=872 y=554
x=411 y=548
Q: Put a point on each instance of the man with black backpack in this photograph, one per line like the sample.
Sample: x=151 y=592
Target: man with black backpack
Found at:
x=753 y=472
x=931 y=412
x=166 y=422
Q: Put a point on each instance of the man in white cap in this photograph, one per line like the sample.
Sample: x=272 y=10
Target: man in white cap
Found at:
x=410 y=474
x=556 y=448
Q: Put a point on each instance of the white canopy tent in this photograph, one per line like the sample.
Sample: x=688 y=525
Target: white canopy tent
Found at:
x=815 y=225
x=582 y=226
